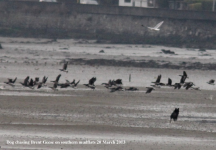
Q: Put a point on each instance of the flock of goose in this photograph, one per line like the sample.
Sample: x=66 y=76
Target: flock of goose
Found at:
x=113 y=85
x=182 y=83
x=36 y=83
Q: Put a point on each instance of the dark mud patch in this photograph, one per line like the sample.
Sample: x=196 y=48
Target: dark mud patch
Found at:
x=142 y=64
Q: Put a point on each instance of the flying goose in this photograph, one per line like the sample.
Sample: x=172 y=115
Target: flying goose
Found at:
x=54 y=87
x=31 y=84
x=57 y=78
x=36 y=80
x=182 y=80
x=149 y=89
x=42 y=83
x=39 y=85
x=89 y=86
x=119 y=88
x=64 y=69
x=184 y=74
x=71 y=83
x=132 y=89
x=91 y=81
x=11 y=81
x=211 y=82
x=75 y=84
x=169 y=82
x=188 y=85
x=25 y=82
x=64 y=85
x=44 y=80
x=177 y=85
x=196 y=88
x=157 y=80
x=118 y=81
x=109 y=84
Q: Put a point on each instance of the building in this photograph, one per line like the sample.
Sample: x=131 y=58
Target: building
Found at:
x=69 y=1
x=93 y=2
x=138 y=3
x=47 y=0
x=178 y=4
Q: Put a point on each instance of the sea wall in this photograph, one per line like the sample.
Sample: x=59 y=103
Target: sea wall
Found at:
x=108 y=23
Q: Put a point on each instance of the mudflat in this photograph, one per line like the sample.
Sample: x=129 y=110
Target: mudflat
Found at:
x=83 y=118
x=98 y=119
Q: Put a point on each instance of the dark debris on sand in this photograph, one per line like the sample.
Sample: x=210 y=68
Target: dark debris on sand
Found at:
x=143 y=64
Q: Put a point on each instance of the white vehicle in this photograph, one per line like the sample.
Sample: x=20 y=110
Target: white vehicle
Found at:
x=156 y=28
x=47 y=0
x=94 y=2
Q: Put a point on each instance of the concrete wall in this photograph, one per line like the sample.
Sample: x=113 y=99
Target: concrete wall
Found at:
x=117 y=24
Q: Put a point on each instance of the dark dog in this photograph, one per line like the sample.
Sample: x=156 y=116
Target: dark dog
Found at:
x=174 y=115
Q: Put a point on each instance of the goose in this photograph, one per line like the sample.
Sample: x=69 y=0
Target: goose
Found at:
x=11 y=81
x=182 y=80
x=211 y=82
x=42 y=83
x=54 y=87
x=177 y=85
x=64 y=85
x=174 y=115
x=57 y=78
x=64 y=69
x=169 y=82
x=196 y=88
x=157 y=82
x=118 y=81
x=119 y=88
x=184 y=74
x=188 y=85
x=75 y=85
x=25 y=82
x=31 y=84
x=109 y=84
x=39 y=85
x=149 y=89
x=71 y=83
x=44 y=80
x=89 y=86
x=156 y=86
x=91 y=83
x=132 y=89
x=36 y=80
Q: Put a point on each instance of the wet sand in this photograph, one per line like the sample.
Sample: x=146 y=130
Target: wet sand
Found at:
x=134 y=118
x=99 y=119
